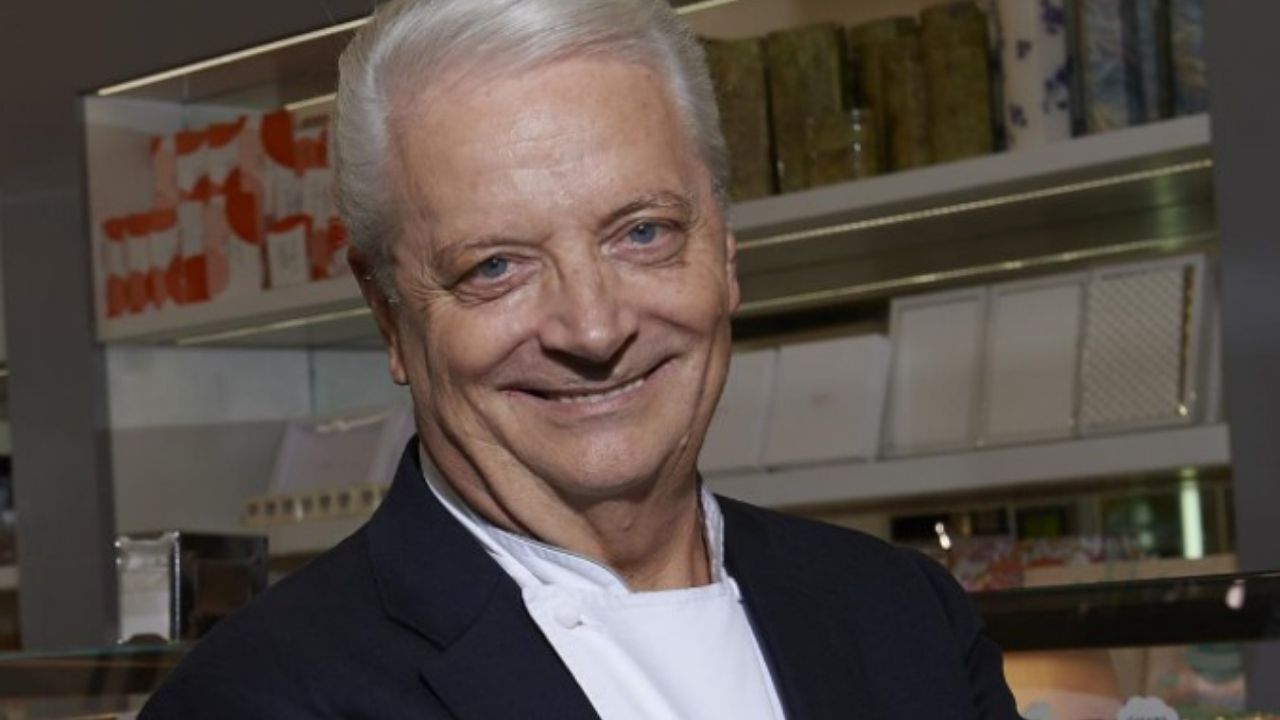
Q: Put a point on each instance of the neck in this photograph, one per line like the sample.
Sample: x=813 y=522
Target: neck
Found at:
x=653 y=536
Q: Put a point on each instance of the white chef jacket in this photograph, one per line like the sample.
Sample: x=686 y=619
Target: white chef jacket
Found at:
x=684 y=654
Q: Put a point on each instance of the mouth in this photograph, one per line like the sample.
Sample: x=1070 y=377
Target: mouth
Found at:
x=596 y=394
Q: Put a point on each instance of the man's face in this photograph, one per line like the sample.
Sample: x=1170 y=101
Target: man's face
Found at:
x=566 y=278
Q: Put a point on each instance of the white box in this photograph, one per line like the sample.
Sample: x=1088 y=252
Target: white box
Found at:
x=935 y=392
x=341 y=452
x=828 y=401
x=736 y=433
x=1142 y=344
x=1032 y=357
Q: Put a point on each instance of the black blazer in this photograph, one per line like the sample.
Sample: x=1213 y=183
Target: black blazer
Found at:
x=410 y=618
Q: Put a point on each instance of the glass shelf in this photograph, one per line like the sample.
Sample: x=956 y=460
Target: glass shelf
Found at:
x=88 y=672
x=1212 y=609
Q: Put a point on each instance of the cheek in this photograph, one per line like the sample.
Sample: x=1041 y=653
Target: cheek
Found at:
x=695 y=296
x=466 y=346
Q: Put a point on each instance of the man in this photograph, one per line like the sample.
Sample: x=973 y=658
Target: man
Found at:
x=535 y=194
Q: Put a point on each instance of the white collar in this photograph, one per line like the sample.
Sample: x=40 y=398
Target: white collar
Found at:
x=534 y=564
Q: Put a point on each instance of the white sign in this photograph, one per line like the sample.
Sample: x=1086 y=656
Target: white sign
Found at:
x=1146 y=708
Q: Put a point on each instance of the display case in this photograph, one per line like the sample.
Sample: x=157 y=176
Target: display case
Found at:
x=1071 y=652
x=1170 y=645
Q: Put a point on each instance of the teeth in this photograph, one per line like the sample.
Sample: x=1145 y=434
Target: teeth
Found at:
x=601 y=396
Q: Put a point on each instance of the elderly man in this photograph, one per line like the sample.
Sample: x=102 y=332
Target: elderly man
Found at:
x=535 y=191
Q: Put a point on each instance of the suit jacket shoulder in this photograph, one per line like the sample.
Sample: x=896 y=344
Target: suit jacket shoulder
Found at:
x=315 y=645
x=907 y=628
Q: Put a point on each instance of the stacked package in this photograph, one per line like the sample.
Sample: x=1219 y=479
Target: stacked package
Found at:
x=1036 y=72
x=970 y=79
x=1125 y=58
x=907 y=118
x=237 y=207
x=738 y=74
x=892 y=96
x=806 y=89
x=1186 y=40
x=956 y=50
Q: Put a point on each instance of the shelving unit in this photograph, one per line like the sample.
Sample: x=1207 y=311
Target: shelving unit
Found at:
x=980 y=470
x=841 y=483
x=1139 y=191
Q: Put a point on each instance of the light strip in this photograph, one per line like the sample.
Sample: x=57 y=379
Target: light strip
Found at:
x=231 y=57
x=883 y=286
x=984 y=204
x=1192 y=520
x=310 y=102
x=4 y=372
x=297 y=40
x=291 y=324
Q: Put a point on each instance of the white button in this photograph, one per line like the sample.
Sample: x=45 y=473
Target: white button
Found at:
x=568 y=614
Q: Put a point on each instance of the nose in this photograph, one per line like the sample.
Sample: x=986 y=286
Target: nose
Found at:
x=588 y=316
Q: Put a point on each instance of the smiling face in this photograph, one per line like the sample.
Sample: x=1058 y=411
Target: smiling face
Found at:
x=565 y=280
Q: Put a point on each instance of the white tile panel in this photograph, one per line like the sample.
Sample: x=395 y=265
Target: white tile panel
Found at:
x=1033 y=347
x=829 y=401
x=937 y=372
x=736 y=433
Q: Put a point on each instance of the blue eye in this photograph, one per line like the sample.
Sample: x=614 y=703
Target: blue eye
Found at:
x=493 y=268
x=644 y=233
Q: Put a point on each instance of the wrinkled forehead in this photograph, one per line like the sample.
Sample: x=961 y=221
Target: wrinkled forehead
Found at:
x=570 y=138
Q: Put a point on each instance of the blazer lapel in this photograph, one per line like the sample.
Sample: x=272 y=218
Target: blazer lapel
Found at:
x=813 y=660
x=503 y=667
x=493 y=661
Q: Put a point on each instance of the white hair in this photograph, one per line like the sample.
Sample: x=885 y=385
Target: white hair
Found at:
x=409 y=44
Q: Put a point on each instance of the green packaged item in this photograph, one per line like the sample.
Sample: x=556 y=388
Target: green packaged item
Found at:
x=866 y=45
x=956 y=58
x=954 y=23
x=906 y=100
x=843 y=146
x=737 y=71
x=805 y=82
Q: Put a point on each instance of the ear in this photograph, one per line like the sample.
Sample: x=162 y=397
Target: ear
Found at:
x=731 y=270
x=384 y=311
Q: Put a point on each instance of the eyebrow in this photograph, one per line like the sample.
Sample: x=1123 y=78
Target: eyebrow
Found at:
x=660 y=199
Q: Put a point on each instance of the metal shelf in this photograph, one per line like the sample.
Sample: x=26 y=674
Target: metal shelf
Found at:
x=1213 y=609
x=1135 y=192
x=325 y=313
x=978 y=470
x=1083 y=460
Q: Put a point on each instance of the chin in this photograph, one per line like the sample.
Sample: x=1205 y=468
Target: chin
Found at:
x=609 y=469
